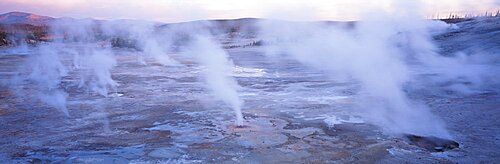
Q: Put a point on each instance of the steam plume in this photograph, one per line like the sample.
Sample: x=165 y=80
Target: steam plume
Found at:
x=218 y=73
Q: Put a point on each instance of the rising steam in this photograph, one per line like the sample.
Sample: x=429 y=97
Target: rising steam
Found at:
x=376 y=52
x=218 y=73
x=46 y=72
x=380 y=52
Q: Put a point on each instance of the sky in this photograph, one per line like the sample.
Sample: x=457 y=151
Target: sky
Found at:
x=187 y=10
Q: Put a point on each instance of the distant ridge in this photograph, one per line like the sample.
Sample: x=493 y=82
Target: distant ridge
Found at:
x=17 y=17
x=24 y=18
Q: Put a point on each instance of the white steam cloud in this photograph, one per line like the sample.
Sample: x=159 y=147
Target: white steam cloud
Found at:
x=379 y=53
x=95 y=71
x=46 y=72
x=218 y=71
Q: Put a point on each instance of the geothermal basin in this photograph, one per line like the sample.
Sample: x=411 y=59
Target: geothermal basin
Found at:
x=292 y=114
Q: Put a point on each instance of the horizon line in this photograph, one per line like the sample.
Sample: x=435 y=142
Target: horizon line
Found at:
x=432 y=17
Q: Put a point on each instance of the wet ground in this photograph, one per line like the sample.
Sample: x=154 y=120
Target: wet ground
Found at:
x=293 y=114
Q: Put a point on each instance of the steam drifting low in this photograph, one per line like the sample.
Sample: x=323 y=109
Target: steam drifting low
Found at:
x=380 y=53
